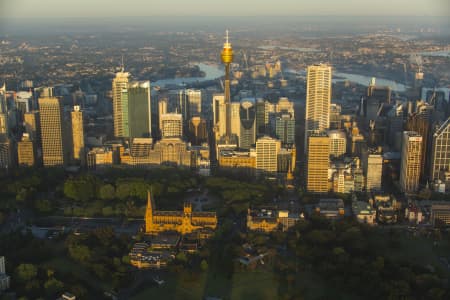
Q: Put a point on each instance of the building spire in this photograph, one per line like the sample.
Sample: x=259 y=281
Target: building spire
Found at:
x=122 y=67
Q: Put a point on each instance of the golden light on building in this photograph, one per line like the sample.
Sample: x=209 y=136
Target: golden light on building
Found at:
x=183 y=222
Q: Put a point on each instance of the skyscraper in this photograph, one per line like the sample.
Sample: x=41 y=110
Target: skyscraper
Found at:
x=410 y=161
x=318 y=152
x=162 y=108
x=78 y=135
x=285 y=129
x=373 y=170
x=172 y=125
x=219 y=115
x=26 y=151
x=227 y=59
x=440 y=151
x=267 y=150
x=137 y=112
x=338 y=143
x=247 y=116
x=197 y=131
x=119 y=83
x=318 y=97
x=6 y=157
x=54 y=149
x=32 y=125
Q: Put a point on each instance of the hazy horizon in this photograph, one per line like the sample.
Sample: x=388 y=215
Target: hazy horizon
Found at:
x=135 y=8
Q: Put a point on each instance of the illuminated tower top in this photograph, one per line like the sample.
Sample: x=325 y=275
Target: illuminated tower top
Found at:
x=227 y=52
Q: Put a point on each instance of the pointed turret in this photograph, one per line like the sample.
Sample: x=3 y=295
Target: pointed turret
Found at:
x=149 y=213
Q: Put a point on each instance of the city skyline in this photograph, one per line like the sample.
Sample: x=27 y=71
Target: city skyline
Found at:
x=101 y=8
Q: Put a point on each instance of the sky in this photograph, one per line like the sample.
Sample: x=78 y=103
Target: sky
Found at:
x=116 y=8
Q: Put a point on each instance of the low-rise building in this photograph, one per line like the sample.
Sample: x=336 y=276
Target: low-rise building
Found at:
x=142 y=257
x=364 y=212
x=330 y=208
x=268 y=220
x=440 y=213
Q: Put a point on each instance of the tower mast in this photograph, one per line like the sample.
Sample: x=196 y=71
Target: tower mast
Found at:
x=227 y=59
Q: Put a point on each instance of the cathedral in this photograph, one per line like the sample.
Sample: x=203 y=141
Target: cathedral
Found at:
x=183 y=222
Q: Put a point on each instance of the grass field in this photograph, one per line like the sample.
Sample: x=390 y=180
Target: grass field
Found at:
x=243 y=285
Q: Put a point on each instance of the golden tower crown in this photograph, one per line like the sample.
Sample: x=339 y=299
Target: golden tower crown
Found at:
x=227 y=52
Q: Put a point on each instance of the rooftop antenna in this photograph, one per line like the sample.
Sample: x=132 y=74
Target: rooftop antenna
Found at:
x=122 y=66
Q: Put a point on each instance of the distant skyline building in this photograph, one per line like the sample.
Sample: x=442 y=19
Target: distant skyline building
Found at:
x=120 y=82
x=318 y=98
x=318 y=161
x=54 y=142
x=410 y=161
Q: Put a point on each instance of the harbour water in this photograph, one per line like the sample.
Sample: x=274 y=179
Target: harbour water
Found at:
x=216 y=71
x=211 y=72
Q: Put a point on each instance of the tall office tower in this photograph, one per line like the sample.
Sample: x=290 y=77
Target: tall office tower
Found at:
x=162 y=108
x=318 y=161
x=373 y=169
x=23 y=102
x=32 y=125
x=440 y=151
x=318 y=97
x=395 y=125
x=4 y=126
x=261 y=117
x=335 y=116
x=285 y=106
x=338 y=143
x=137 y=110
x=26 y=151
x=6 y=157
x=227 y=59
x=194 y=103
x=78 y=135
x=375 y=98
x=235 y=118
x=410 y=161
x=198 y=133
x=420 y=122
x=219 y=115
x=171 y=125
x=3 y=105
x=119 y=83
x=285 y=129
x=267 y=150
x=3 y=111
x=247 y=114
x=54 y=143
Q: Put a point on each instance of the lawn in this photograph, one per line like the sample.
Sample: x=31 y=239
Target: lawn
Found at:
x=243 y=285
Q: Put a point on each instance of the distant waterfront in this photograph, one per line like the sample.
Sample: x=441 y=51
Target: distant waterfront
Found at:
x=211 y=72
